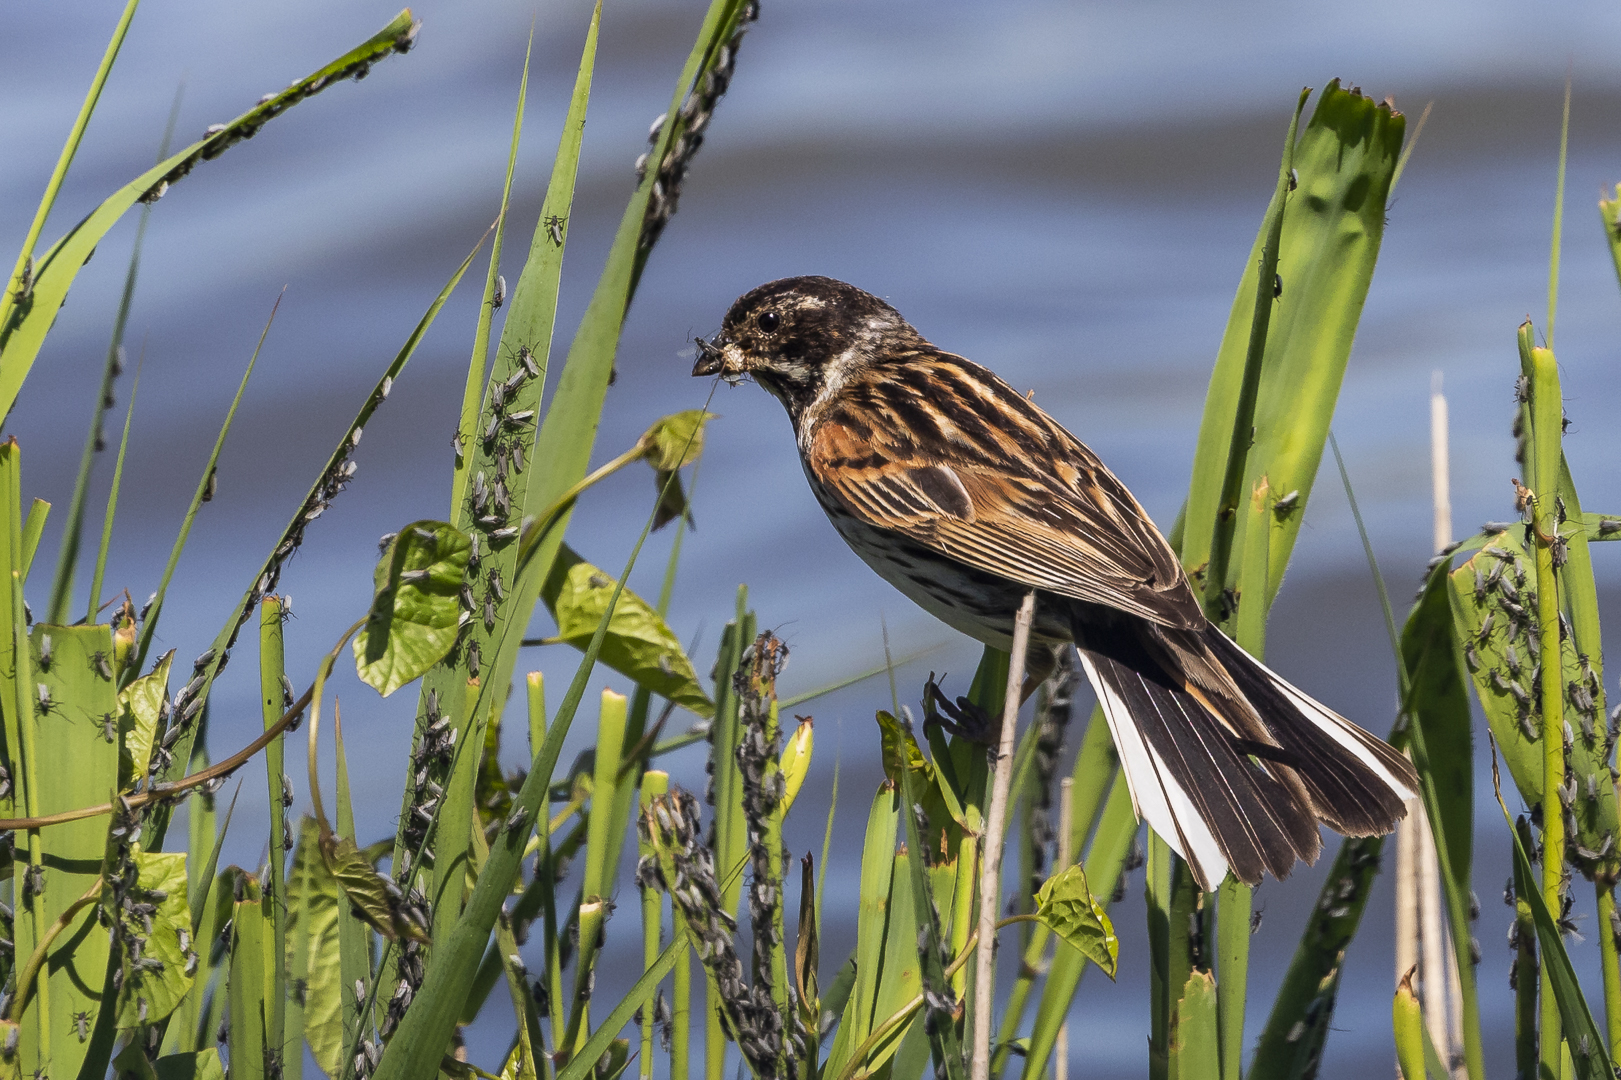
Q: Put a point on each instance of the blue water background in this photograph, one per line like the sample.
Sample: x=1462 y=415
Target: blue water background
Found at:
x=1064 y=192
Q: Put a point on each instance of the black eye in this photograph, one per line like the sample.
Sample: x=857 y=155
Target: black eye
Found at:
x=769 y=321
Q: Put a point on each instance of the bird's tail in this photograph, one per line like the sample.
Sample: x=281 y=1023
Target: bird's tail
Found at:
x=1231 y=765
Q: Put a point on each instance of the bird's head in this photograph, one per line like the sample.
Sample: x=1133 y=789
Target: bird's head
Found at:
x=798 y=336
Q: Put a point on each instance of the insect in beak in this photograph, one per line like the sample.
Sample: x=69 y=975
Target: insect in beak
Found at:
x=710 y=358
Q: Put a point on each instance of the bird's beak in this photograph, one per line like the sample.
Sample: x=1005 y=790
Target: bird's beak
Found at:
x=717 y=356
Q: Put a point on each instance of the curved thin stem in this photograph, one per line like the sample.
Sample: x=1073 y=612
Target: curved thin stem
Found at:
x=25 y=981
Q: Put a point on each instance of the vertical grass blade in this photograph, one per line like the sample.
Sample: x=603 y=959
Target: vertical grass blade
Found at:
x=74 y=765
x=275 y=700
x=14 y=287
x=205 y=488
x=1326 y=252
x=877 y=872
x=1558 y=233
x=655 y=784
x=354 y=936
x=1105 y=862
x=564 y=442
x=727 y=837
x=488 y=451
x=249 y=986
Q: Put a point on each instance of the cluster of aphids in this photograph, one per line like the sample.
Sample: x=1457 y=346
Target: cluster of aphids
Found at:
x=219 y=138
x=131 y=908
x=694 y=118
x=333 y=481
x=503 y=439
x=764 y=787
x=1502 y=586
x=415 y=907
x=758 y=745
x=430 y=759
x=694 y=889
x=749 y=1016
x=176 y=717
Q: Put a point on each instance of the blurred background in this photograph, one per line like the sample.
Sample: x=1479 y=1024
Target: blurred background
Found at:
x=1065 y=193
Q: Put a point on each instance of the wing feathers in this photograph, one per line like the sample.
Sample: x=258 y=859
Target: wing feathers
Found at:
x=944 y=452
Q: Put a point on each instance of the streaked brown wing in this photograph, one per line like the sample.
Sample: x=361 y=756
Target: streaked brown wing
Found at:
x=964 y=465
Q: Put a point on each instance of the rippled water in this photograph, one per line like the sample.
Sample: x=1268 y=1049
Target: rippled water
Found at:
x=1062 y=192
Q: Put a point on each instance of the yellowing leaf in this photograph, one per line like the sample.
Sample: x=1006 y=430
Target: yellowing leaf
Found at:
x=675 y=441
x=414 y=615
x=897 y=740
x=638 y=645
x=1073 y=913
x=140 y=704
x=155 y=983
x=312 y=910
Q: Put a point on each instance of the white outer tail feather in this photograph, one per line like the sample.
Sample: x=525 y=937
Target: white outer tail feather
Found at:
x=1158 y=799
x=1155 y=795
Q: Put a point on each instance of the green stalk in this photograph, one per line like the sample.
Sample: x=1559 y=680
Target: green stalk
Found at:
x=1609 y=963
x=546 y=870
x=1158 y=881
x=1547 y=420
x=681 y=1016
x=23 y=709
x=1558 y=218
x=1235 y=903
x=729 y=831
x=1525 y=978
x=654 y=785
x=592 y=916
x=246 y=986
x=506 y=946
x=271 y=673
x=1235 y=900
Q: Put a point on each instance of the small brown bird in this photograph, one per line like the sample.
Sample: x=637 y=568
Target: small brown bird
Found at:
x=965 y=496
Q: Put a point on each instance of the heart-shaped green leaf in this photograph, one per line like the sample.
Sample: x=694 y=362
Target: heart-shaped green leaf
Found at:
x=639 y=644
x=1067 y=906
x=414 y=615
